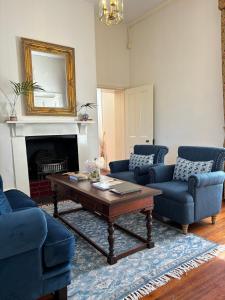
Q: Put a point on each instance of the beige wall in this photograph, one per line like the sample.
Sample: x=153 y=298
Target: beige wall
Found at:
x=69 y=23
x=112 y=55
x=178 y=48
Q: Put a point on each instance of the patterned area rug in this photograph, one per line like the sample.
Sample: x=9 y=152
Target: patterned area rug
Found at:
x=139 y=274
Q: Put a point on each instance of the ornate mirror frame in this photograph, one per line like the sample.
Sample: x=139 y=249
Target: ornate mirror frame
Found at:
x=28 y=45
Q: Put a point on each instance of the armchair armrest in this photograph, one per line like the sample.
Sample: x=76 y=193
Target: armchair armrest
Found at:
x=143 y=170
x=161 y=173
x=22 y=231
x=205 y=179
x=141 y=174
x=119 y=166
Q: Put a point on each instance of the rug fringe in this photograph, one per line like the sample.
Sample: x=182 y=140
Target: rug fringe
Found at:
x=176 y=273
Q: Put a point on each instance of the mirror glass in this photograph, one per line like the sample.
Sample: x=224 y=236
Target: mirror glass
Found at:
x=49 y=71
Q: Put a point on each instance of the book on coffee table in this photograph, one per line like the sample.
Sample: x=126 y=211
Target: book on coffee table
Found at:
x=125 y=188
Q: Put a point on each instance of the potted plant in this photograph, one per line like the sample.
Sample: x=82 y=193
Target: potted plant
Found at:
x=20 y=88
x=83 y=116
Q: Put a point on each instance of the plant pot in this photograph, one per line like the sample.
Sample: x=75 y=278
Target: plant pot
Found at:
x=13 y=118
x=84 y=117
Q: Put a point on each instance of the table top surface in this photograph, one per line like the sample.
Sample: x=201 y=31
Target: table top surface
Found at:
x=86 y=188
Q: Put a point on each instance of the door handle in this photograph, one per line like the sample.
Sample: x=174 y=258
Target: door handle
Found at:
x=147 y=141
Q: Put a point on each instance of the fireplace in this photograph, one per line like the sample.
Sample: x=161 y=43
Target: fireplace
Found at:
x=49 y=155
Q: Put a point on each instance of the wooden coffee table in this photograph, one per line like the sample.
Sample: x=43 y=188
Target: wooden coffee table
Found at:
x=108 y=206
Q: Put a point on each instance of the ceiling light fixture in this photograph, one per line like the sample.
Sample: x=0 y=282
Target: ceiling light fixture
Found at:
x=111 y=11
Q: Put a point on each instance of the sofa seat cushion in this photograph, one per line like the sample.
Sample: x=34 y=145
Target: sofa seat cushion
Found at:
x=5 y=207
x=126 y=176
x=18 y=199
x=174 y=190
x=59 y=245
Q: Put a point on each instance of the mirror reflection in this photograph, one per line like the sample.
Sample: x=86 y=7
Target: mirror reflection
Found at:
x=49 y=70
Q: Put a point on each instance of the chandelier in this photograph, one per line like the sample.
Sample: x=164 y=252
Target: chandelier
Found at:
x=111 y=11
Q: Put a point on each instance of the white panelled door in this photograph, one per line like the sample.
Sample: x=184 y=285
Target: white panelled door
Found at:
x=139 y=117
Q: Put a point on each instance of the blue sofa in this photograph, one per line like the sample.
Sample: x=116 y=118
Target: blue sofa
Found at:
x=120 y=169
x=36 y=250
x=199 y=197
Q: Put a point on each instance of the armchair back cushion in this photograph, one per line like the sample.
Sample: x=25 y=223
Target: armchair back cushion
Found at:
x=185 y=168
x=5 y=207
x=138 y=160
x=158 y=151
x=204 y=154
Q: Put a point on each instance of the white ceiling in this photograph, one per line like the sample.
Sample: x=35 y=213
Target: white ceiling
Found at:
x=133 y=9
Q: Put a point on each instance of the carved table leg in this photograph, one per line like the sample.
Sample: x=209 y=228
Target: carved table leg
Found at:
x=55 y=201
x=111 y=259
x=150 y=244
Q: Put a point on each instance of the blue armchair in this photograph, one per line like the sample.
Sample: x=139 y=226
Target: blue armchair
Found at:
x=36 y=250
x=200 y=197
x=120 y=169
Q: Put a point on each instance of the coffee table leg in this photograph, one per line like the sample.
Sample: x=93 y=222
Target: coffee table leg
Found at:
x=150 y=244
x=111 y=259
x=55 y=201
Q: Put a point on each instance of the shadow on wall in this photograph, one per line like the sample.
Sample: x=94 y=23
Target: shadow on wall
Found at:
x=3 y=110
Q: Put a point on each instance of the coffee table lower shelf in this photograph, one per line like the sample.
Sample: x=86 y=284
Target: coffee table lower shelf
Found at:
x=111 y=257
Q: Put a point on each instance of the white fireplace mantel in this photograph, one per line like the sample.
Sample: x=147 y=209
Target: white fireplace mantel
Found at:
x=43 y=127
x=20 y=127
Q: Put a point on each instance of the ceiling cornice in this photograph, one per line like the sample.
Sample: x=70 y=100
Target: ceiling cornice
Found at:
x=149 y=13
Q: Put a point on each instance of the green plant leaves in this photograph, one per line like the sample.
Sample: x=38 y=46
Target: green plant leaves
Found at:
x=24 y=87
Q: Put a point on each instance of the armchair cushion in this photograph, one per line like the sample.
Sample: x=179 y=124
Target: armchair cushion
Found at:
x=185 y=168
x=18 y=199
x=175 y=190
x=126 y=176
x=59 y=245
x=5 y=207
x=137 y=160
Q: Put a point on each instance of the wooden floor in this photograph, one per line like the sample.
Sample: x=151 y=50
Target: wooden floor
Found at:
x=204 y=283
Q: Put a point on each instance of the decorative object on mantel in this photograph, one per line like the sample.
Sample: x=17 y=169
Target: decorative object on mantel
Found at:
x=111 y=11
x=20 y=89
x=83 y=115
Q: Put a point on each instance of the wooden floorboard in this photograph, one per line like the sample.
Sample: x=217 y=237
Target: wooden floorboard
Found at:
x=204 y=283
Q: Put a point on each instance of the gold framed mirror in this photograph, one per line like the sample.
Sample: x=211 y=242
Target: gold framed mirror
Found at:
x=53 y=68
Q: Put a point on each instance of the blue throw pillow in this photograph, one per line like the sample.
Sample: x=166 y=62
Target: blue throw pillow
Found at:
x=5 y=207
x=137 y=160
x=185 y=168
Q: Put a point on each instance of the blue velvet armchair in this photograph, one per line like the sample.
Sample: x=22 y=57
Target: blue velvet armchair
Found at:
x=198 y=198
x=36 y=250
x=120 y=169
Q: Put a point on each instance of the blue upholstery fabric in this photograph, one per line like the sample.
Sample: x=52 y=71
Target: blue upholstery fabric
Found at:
x=29 y=238
x=22 y=231
x=140 y=174
x=18 y=199
x=200 y=197
x=119 y=166
x=161 y=173
x=204 y=154
x=5 y=207
x=126 y=175
x=59 y=245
